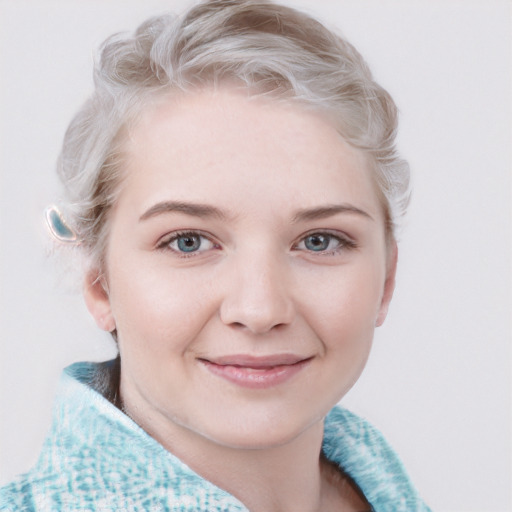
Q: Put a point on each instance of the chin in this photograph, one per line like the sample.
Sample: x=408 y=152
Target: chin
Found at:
x=260 y=435
x=255 y=441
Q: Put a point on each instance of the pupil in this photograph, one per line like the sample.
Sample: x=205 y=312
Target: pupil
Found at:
x=188 y=243
x=317 y=242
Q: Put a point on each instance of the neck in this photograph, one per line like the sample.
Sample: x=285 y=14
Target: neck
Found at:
x=282 y=478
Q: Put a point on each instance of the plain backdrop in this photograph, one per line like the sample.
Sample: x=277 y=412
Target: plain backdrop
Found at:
x=438 y=381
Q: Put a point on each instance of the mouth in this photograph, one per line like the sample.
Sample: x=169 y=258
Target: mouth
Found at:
x=256 y=372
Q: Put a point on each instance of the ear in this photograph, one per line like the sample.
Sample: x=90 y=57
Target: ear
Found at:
x=97 y=300
x=389 y=284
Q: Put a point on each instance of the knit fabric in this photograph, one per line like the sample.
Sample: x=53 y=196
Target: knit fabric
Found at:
x=96 y=459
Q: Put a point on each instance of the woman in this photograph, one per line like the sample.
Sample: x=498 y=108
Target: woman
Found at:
x=234 y=190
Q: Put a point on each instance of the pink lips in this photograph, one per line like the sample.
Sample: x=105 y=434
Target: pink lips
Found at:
x=256 y=372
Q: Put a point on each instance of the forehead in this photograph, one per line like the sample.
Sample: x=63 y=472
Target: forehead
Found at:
x=225 y=146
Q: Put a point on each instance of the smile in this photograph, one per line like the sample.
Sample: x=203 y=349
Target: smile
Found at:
x=256 y=372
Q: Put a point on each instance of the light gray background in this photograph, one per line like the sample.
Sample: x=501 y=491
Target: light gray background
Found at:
x=438 y=382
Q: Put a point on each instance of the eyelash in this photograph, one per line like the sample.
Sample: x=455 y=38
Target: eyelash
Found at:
x=165 y=243
x=344 y=243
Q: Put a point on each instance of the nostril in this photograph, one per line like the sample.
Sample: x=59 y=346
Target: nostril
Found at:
x=258 y=308
x=253 y=328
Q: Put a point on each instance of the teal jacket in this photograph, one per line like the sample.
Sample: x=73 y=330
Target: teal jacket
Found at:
x=96 y=458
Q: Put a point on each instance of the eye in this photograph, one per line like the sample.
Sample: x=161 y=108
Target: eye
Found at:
x=326 y=243
x=319 y=242
x=187 y=242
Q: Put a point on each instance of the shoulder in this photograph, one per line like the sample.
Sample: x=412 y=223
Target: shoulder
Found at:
x=363 y=453
x=96 y=458
x=16 y=496
x=31 y=492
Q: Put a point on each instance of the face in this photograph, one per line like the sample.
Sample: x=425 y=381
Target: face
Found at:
x=246 y=269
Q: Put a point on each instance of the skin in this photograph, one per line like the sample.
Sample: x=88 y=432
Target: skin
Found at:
x=269 y=174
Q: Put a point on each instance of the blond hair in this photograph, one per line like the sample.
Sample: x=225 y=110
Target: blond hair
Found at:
x=268 y=48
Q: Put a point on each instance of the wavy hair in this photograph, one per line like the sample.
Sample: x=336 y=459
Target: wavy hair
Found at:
x=270 y=49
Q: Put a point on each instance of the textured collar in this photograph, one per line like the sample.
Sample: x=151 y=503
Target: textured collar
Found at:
x=96 y=458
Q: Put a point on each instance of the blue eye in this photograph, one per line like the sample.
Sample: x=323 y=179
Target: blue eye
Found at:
x=188 y=243
x=317 y=242
x=324 y=243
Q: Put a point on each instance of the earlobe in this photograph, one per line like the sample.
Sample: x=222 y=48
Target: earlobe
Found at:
x=97 y=301
x=389 y=285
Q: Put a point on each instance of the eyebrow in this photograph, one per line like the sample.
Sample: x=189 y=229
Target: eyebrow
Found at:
x=193 y=209
x=205 y=211
x=323 y=212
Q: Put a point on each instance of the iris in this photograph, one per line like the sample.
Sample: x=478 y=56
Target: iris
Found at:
x=317 y=242
x=189 y=243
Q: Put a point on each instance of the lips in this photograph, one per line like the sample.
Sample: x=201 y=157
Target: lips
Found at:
x=256 y=372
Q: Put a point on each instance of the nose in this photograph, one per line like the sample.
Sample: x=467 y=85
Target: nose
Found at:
x=259 y=295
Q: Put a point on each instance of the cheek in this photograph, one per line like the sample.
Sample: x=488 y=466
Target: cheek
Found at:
x=158 y=308
x=343 y=312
